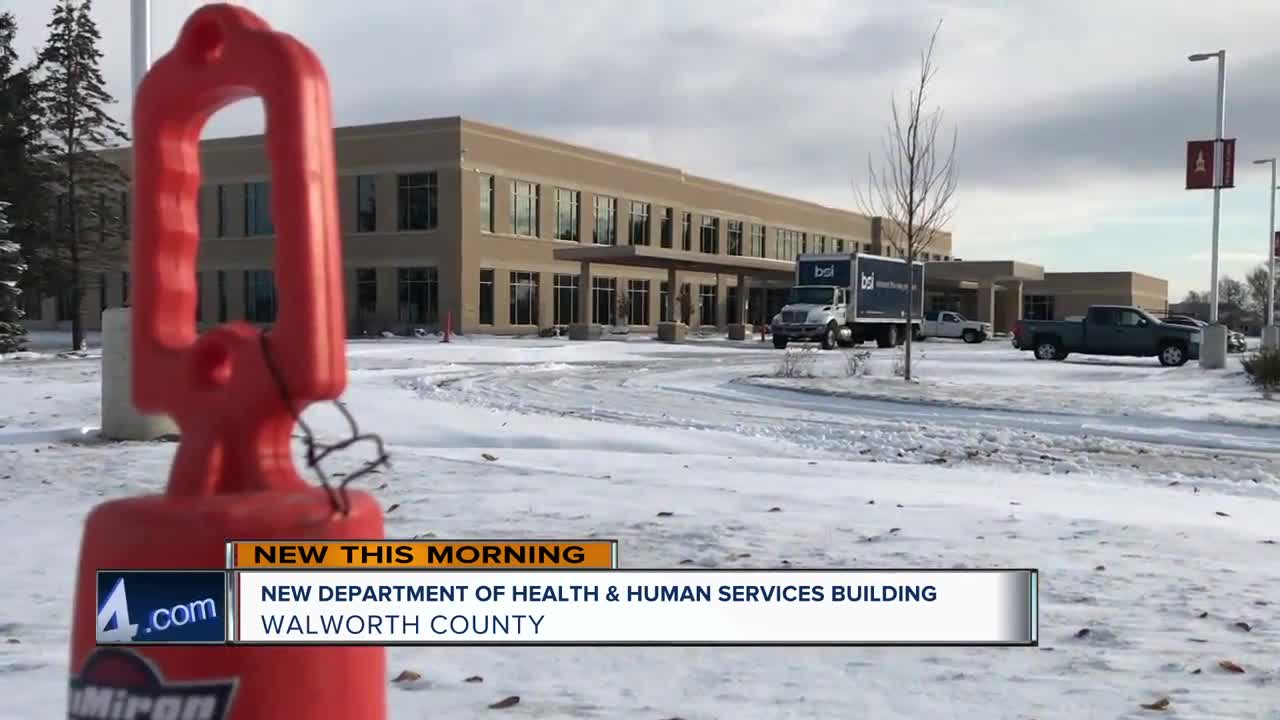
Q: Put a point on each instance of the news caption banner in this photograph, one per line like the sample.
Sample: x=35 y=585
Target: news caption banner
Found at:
x=148 y=607
x=447 y=592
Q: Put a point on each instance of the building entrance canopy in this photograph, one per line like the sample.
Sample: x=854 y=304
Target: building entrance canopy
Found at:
x=747 y=269
x=669 y=259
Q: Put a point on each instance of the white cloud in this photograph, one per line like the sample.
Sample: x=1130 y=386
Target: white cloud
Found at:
x=1071 y=115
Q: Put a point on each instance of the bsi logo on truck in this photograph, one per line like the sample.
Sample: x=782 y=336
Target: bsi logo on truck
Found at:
x=824 y=271
x=868 y=281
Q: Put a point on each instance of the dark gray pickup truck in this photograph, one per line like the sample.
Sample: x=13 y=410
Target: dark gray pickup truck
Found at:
x=1109 y=330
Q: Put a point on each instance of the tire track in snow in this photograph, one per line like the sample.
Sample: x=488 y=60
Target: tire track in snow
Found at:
x=705 y=393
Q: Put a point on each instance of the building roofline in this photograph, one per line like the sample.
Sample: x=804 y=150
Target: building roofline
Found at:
x=674 y=173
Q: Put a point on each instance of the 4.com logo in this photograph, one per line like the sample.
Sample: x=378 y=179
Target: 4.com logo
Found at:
x=115 y=622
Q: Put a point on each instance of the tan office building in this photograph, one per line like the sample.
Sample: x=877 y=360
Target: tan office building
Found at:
x=499 y=231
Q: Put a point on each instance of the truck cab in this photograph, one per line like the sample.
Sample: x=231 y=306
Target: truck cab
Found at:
x=812 y=312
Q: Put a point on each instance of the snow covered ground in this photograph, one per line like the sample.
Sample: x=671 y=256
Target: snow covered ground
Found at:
x=1147 y=497
x=993 y=375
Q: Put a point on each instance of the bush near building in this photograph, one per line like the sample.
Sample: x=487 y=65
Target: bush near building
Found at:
x=1263 y=368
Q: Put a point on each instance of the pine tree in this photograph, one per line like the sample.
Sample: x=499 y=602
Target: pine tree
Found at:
x=88 y=233
x=12 y=333
x=24 y=179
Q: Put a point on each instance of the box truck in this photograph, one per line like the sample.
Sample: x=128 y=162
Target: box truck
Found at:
x=844 y=300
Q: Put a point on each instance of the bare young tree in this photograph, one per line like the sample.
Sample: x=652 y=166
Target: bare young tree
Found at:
x=913 y=186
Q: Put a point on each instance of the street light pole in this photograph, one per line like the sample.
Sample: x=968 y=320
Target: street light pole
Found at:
x=1215 y=356
x=1221 y=120
x=140 y=37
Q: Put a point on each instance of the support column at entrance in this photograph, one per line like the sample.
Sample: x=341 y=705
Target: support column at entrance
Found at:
x=585 y=329
x=741 y=330
x=987 y=302
x=1012 y=307
x=675 y=330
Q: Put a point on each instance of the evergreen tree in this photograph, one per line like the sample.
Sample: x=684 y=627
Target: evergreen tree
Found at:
x=88 y=232
x=24 y=179
x=11 y=331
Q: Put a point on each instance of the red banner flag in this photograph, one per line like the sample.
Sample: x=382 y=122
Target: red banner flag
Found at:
x=1200 y=164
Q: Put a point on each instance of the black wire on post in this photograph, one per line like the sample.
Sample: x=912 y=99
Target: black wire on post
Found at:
x=317 y=451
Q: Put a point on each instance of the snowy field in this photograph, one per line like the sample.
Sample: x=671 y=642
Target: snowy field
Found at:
x=1148 y=498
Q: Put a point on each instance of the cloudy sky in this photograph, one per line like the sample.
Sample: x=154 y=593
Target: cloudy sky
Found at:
x=1072 y=116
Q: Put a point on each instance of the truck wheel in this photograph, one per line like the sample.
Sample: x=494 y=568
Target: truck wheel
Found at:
x=780 y=342
x=1173 y=355
x=1049 y=350
x=970 y=336
x=917 y=334
x=887 y=337
x=829 y=337
x=900 y=336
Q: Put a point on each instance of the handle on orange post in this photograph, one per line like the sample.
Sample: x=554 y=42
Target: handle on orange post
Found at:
x=235 y=405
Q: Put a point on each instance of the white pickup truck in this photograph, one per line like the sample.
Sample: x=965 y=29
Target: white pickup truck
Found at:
x=953 y=325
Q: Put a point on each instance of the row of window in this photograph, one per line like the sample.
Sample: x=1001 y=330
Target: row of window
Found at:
x=526 y=198
x=613 y=302
x=418 y=210
x=418 y=298
x=417 y=205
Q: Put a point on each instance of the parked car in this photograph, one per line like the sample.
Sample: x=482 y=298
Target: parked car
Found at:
x=953 y=325
x=1110 y=330
x=1236 y=341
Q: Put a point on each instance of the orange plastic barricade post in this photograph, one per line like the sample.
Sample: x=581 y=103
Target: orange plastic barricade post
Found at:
x=448 y=325
x=230 y=389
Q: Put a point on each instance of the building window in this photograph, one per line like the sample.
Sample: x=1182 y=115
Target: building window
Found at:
x=366 y=203
x=820 y=243
x=1037 y=307
x=102 y=291
x=220 y=192
x=664 y=229
x=731 y=305
x=259 y=296
x=709 y=239
x=486 y=296
x=638 y=302
x=664 y=290
x=639 y=223
x=839 y=244
x=567 y=214
x=418 y=197
x=257 y=209
x=366 y=295
x=686 y=231
x=486 y=203
x=604 y=300
x=707 y=304
x=757 y=241
x=419 y=290
x=565 y=300
x=789 y=244
x=735 y=237
x=524 y=298
x=524 y=208
x=222 y=296
x=606 y=230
